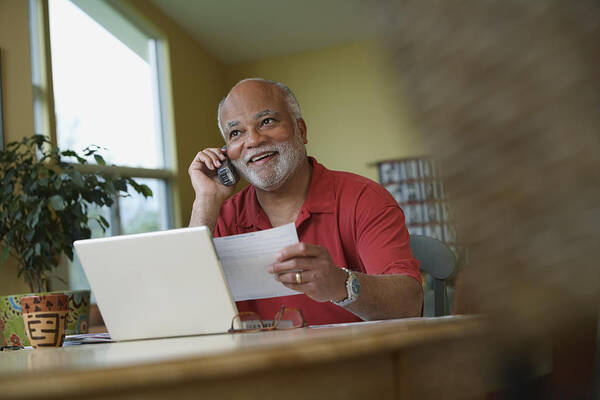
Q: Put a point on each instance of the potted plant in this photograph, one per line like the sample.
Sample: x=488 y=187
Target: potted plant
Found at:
x=44 y=207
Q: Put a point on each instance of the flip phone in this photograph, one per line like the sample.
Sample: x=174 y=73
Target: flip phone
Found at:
x=227 y=174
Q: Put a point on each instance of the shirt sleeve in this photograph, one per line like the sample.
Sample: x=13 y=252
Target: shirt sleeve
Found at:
x=382 y=238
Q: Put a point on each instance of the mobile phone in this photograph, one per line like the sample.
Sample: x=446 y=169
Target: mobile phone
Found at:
x=227 y=174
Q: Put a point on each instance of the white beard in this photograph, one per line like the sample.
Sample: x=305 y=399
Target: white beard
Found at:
x=289 y=159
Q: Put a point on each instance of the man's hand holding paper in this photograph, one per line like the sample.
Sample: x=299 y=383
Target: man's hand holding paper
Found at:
x=308 y=268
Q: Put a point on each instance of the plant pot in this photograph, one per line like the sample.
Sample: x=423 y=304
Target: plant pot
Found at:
x=12 y=328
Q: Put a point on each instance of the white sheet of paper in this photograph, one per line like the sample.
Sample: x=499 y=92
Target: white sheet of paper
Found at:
x=246 y=257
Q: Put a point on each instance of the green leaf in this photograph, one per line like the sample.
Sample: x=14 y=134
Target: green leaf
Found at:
x=36 y=214
x=71 y=153
x=29 y=252
x=58 y=182
x=120 y=184
x=109 y=187
x=77 y=178
x=9 y=175
x=57 y=202
x=103 y=220
x=5 y=252
x=146 y=191
x=46 y=247
x=103 y=223
x=68 y=153
x=39 y=140
x=99 y=159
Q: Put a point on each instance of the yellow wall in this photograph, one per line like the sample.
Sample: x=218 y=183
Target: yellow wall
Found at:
x=197 y=84
x=16 y=69
x=17 y=99
x=352 y=113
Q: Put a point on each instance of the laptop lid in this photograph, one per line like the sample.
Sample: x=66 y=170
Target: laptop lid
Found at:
x=158 y=284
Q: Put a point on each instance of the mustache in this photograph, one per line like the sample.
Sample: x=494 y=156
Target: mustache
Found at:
x=259 y=150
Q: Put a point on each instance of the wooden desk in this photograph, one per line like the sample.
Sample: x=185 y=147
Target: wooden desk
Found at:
x=412 y=358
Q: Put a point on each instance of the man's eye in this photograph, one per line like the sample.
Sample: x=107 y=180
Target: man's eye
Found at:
x=268 y=121
x=233 y=134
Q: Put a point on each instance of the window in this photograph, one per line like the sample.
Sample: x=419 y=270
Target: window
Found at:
x=106 y=88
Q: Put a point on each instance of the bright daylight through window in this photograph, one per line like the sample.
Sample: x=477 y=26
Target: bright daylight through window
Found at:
x=107 y=81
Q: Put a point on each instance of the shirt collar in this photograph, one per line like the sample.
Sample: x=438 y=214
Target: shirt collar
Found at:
x=321 y=193
x=320 y=199
x=251 y=213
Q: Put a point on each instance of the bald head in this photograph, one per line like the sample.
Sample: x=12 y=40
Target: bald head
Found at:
x=247 y=91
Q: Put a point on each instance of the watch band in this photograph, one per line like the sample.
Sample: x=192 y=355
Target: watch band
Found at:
x=352 y=289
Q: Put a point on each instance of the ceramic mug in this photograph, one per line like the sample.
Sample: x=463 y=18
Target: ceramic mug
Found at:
x=45 y=317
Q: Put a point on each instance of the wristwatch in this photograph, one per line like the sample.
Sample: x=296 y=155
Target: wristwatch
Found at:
x=352 y=288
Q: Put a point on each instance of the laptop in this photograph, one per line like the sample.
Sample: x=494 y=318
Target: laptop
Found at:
x=158 y=284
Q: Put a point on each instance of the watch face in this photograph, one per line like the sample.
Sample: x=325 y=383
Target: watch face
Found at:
x=355 y=285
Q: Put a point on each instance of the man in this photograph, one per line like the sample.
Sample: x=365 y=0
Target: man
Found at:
x=343 y=220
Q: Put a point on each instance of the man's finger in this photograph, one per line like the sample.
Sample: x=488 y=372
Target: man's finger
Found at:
x=292 y=265
x=295 y=277
x=213 y=157
x=304 y=287
x=202 y=161
x=298 y=250
x=220 y=153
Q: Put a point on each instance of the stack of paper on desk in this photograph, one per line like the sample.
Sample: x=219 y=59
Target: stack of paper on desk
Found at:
x=246 y=257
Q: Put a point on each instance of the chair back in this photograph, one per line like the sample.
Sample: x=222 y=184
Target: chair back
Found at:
x=439 y=261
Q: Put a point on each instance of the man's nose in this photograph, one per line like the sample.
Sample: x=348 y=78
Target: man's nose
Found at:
x=254 y=138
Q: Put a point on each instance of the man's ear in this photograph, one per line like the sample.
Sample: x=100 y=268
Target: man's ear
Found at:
x=302 y=127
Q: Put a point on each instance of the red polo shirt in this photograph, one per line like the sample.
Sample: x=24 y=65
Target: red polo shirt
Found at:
x=356 y=219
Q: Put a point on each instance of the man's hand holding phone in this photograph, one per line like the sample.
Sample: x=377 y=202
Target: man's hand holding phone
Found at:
x=210 y=192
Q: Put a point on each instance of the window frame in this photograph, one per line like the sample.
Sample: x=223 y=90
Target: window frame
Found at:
x=44 y=107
